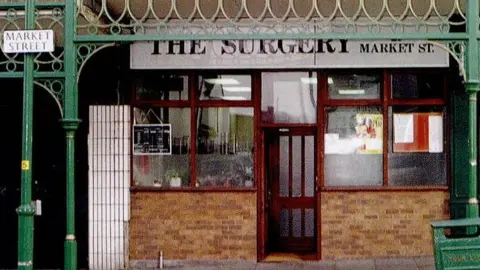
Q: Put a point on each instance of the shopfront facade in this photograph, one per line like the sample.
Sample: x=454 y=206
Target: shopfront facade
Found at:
x=250 y=130
x=332 y=149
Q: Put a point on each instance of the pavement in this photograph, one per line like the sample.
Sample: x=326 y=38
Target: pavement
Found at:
x=408 y=263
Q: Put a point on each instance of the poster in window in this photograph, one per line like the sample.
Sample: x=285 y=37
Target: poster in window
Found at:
x=403 y=128
x=152 y=139
x=427 y=132
x=369 y=133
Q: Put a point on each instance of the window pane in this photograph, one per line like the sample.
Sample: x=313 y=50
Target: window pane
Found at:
x=309 y=222
x=169 y=170
x=225 y=87
x=417 y=146
x=417 y=86
x=297 y=222
x=353 y=146
x=354 y=86
x=225 y=147
x=154 y=85
x=309 y=166
x=284 y=166
x=296 y=166
x=289 y=97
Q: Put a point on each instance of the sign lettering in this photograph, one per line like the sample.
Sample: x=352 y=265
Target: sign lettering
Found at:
x=25 y=165
x=28 y=41
x=318 y=53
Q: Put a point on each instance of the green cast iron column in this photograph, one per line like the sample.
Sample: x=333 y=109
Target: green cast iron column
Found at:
x=26 y=210
x=472 y=86
x=70 y=124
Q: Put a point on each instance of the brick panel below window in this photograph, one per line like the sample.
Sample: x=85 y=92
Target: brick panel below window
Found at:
x=380 y=224
x=193 y=226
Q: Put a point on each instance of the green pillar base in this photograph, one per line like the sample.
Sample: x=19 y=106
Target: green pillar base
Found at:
x=70 y=254
x=25 y=236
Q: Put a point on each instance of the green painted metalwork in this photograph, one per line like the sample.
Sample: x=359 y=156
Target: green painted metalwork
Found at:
x=55 y=88
x=70 y=124
x=472 y=87
x=226 y=18
x=48 y=17
x=89 y=26
x=26 y=209
x=86 y=51
x=268 y=36
x=459 y=252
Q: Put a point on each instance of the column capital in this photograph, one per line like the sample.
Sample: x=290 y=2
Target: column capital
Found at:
x=70 y=124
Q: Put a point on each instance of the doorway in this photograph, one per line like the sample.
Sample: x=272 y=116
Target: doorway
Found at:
x=290 y=205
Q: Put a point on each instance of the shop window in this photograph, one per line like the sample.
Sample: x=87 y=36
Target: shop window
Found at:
x=289 y=97
x=161 y=146
x=417 y=153
x=419 y=85
x=200 y=142
x=354 y=86
x=354 y=146
x=225 y=87
x=224 y=147
x=155 y=86
x=414 y=112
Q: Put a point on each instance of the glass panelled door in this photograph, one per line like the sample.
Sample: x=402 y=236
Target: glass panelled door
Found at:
x=291 y=190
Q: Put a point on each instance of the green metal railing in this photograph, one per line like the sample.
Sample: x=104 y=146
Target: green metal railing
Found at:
x=84 y=27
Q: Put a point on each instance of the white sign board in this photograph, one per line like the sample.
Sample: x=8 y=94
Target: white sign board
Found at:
x=265 y=54
x=28 y=41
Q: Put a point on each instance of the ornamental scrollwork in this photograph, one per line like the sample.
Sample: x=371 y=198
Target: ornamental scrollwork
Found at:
x=369 y=17
x=457 y=50
x=52 y=18
x=86 y=51
x=55 y=88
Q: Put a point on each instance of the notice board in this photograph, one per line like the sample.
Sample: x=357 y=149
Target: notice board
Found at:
x=152 y=139
x=418 y=132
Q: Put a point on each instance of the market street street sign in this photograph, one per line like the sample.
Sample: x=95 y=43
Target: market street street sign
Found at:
x=28 y=41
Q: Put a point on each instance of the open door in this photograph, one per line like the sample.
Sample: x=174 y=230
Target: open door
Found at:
x=291 y=197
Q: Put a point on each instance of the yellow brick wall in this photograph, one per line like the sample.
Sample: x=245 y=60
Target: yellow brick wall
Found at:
x=379 y=224
x=196 y=226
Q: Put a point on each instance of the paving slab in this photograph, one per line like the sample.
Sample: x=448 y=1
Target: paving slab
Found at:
x=395 y=263
x=429 y=267
x=424 y=261
x=274 y=266
x=355 y=265
x=315 y=266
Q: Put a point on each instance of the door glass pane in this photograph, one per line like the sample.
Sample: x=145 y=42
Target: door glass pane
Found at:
x=309 y=223
x=297 y=166
x=284 y=222
x=297 y=222
x=289 y=97
x=284 y=168
x=309 y=165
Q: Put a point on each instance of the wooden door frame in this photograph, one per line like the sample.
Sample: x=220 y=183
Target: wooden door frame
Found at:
x=262 y=185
